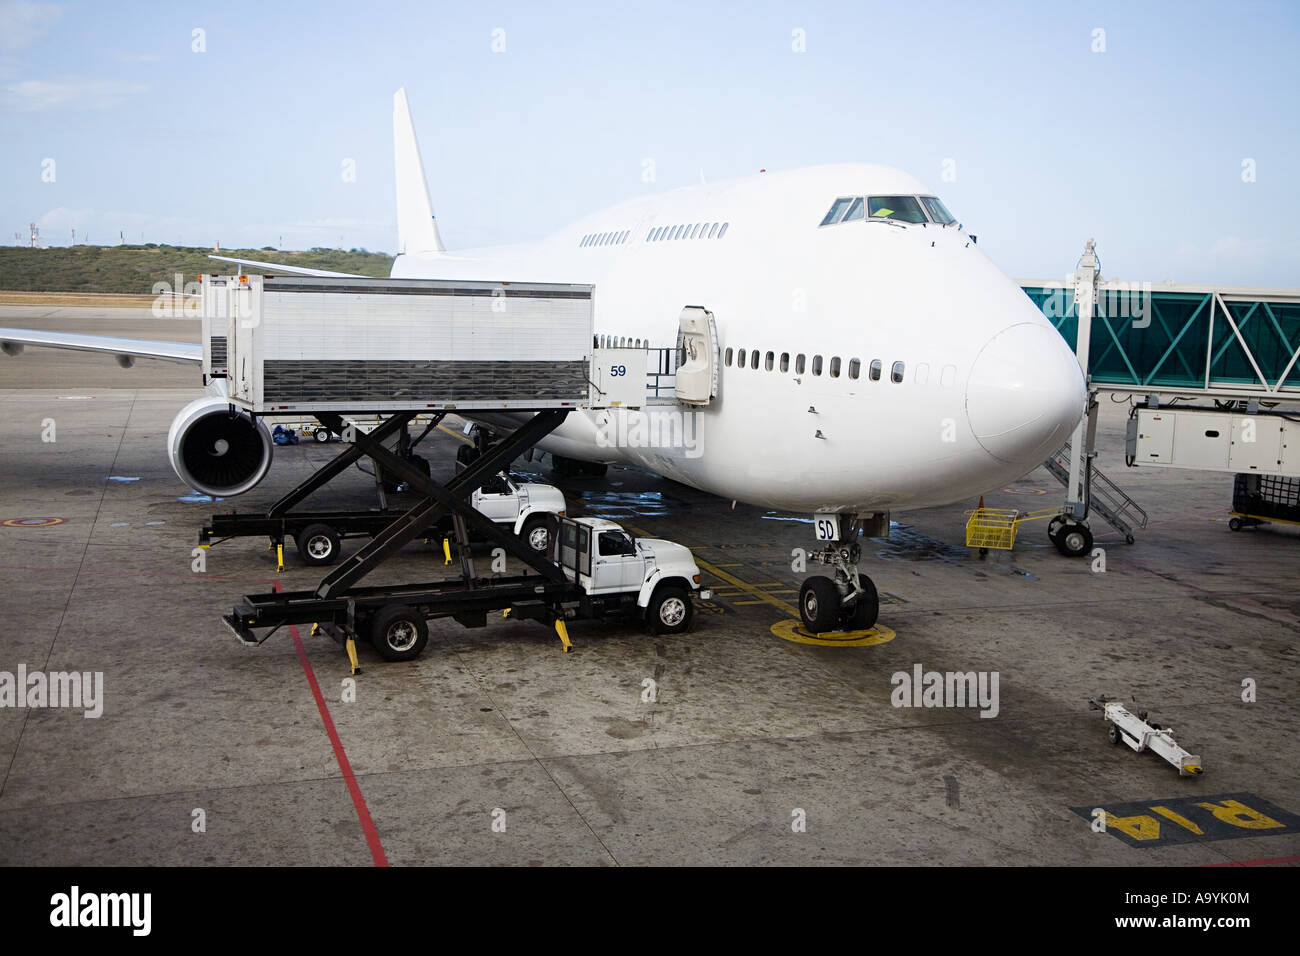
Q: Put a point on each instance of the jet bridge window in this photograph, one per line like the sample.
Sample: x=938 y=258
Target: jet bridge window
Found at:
x=937 y=210
x=898 y=208
x=837 y=210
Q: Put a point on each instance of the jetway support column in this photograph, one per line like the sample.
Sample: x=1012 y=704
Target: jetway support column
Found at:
x=1083 y=440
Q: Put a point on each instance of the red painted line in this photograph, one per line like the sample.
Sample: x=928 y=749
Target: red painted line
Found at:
x=1272 y=861
x=358 y=801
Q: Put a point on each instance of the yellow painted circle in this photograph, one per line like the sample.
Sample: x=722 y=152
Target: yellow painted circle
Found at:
x=1025 y=491
x=32 y=522
x=793 y=630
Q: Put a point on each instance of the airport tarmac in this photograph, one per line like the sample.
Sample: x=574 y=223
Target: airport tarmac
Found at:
x=495 y=747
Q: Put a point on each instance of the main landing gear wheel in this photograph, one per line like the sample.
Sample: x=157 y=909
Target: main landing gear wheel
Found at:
x=399 y=633
x=1074 y=540
x=670 y=610
x=819 y=604
x=862 y=614
x=319 y=544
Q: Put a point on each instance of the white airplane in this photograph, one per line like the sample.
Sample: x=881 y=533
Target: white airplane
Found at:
x=870 y=357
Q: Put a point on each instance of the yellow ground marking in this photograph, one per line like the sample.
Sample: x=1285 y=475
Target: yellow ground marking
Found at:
x=456 y=435
x=796 y=632
x=751 y=590
x=1178 y=818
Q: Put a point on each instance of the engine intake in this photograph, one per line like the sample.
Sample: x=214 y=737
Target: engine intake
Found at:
x=217 y=452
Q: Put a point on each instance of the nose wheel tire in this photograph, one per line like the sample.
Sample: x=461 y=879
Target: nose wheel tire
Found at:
x=819 y=604
x=319 y=544
x=862 y=614
x=1073 y=540
x=399 y=633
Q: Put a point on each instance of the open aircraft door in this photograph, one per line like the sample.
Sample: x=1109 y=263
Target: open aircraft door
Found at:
x=698 y=356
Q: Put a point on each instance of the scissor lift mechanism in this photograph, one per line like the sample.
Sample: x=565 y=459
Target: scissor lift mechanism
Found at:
x=340 y=609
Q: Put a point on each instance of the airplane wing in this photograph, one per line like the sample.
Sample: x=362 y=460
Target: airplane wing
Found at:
x=296 y=270
x=12 y=342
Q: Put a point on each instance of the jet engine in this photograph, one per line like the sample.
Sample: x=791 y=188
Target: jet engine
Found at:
x=217 y=449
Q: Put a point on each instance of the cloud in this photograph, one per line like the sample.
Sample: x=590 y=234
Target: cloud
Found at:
x=22 y=23
x=77 y=93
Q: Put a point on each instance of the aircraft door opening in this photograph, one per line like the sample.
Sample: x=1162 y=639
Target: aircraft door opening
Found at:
x=697 y=356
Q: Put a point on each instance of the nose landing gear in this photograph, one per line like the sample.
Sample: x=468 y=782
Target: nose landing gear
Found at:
x=848 y=600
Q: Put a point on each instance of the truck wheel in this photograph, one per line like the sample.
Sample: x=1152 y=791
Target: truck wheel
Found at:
x=864 y=612
x=535 y=534
x=1235 y=524
x=819 y=604
x=670 y=610
x=1113 y=733
x=319 y=544
x=399 y=633
x=321 y=434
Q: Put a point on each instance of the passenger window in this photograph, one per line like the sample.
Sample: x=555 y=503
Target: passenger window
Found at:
x=875 y=370
x=649 y=235
x=753 y=359
x=740 y=358
x=728 y=359
x=696 y=231
x=855 y=211
x=855 y=368
x=785 y=361
x=817 y=365
x=798 y=364
x=836 y=211
x=714 y=231
x=767 y=363
x=897 y=374
x=922 y=374
x=724 y=229
x=835 y=367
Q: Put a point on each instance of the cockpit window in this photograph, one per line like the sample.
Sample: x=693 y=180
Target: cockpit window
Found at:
x=855 y=211
x=836 y=211
x=900 y=208
x=937 y=210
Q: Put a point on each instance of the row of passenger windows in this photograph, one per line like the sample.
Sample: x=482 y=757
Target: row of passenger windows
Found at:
x=899 y=208
x=605 y=238
x=700 y=230
x=770 y=361
x=619 y=342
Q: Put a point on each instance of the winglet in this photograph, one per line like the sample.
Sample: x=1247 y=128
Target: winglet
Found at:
x=417 y=229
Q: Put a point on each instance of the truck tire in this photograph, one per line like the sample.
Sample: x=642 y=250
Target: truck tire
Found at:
x=399 y=632
x=670 y=609
x=536 y=533
x=319 y=544
x=321 y=434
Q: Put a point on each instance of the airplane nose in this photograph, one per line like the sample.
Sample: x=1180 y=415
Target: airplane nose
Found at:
x=1025 y=393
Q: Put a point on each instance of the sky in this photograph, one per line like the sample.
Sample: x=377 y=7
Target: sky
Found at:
x=1169 y=132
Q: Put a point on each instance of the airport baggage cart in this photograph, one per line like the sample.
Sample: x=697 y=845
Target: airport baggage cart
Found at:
x=1260 y=499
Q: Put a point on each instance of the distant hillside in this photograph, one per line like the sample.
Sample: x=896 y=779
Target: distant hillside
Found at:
x=135 y=269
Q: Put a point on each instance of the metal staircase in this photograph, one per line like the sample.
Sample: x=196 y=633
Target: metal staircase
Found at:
x=1104 y=496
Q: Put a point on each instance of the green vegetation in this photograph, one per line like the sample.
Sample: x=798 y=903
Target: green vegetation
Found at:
x=135 y=269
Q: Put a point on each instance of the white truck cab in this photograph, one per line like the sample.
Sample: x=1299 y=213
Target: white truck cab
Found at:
x=521 y=505
x=658 y=576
